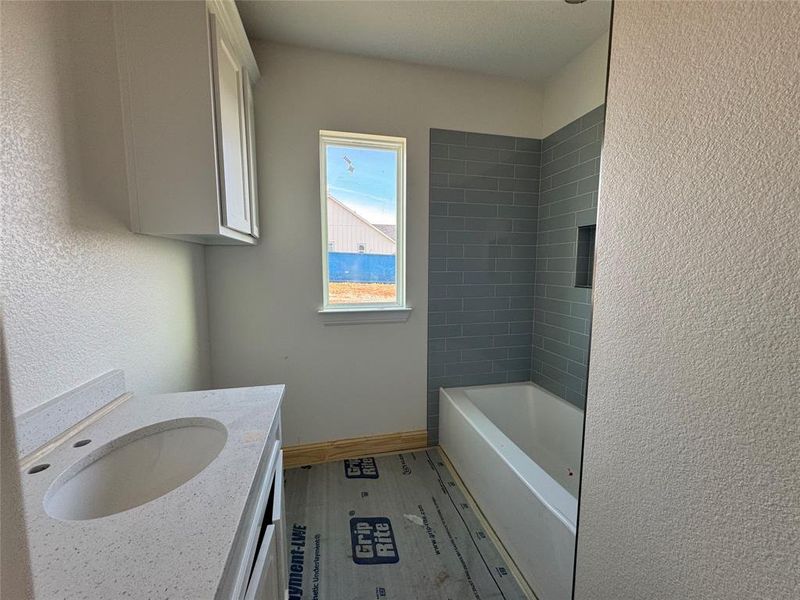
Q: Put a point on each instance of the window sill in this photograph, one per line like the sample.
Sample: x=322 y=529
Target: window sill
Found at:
x=359 y=316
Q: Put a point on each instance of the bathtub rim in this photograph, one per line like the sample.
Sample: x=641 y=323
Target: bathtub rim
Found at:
x=556 y=498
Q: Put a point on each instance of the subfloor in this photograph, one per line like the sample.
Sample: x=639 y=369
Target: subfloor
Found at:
x=394 y=527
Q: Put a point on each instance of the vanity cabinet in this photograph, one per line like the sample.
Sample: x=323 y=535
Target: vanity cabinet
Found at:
x=186 y=76
x=257 y=566
x=268 y=580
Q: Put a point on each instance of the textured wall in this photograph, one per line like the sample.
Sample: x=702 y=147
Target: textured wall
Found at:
x=349 y=380
x=15 y=561
x=567 y=200
x=81 y=294
x=482 y=250
x=691 y=473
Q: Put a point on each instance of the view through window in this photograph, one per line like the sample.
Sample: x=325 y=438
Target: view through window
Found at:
x=363 y=184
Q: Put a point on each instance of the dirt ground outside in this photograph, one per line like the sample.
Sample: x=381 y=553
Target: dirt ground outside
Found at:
x=360 y=293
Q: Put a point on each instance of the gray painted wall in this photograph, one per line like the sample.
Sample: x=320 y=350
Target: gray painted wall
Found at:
x=482 y=247
x=567 y=200
x=385 y=365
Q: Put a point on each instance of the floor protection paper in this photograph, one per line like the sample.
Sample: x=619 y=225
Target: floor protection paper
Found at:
x=389 y=527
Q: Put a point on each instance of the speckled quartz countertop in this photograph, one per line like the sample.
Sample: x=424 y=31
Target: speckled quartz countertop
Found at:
x=175 y=546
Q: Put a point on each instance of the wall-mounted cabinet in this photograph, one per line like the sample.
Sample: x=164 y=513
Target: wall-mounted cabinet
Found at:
x=187 y=72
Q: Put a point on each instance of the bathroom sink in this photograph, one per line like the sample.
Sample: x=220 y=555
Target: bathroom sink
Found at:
x=135 y=468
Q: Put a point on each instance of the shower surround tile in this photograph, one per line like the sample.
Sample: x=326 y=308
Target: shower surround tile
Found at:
x=570 y=173
x=504 y=216
x=482 y=255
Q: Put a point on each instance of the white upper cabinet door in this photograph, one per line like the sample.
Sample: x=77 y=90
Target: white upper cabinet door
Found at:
x=251 y=155
x=231 y=133
x=186 y=75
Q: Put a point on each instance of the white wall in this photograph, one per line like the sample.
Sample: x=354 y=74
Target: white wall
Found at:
x=577 y=88
x=351 y=380
x=691 y=475
x=81 y=294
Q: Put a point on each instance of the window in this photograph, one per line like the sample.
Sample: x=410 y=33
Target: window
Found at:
x=362 y=184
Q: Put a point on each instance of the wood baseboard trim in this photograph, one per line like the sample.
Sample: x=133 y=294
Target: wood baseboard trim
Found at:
x=322 y=452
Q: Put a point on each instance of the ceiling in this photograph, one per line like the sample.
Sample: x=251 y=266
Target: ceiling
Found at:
x=528 y=39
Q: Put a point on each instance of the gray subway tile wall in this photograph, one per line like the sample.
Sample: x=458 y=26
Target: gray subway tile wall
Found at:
x=504 y=218
x=570 y=173
x=482 y=254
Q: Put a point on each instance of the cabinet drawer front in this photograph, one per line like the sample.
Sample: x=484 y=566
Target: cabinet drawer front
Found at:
x=277 y=507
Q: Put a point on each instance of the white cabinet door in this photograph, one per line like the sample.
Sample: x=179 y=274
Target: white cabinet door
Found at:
x=231 y=133
x=264 y=582
x=251 y=155
x=279 y=521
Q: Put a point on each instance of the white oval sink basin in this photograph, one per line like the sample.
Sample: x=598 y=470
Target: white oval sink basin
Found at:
x=135 y=468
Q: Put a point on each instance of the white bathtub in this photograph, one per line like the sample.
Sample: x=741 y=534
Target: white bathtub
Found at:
x=518 y=449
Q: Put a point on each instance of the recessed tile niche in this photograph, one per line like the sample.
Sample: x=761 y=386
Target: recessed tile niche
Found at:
x=584 y=262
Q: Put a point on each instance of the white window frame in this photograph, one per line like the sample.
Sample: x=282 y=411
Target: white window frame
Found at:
x=367 y=312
